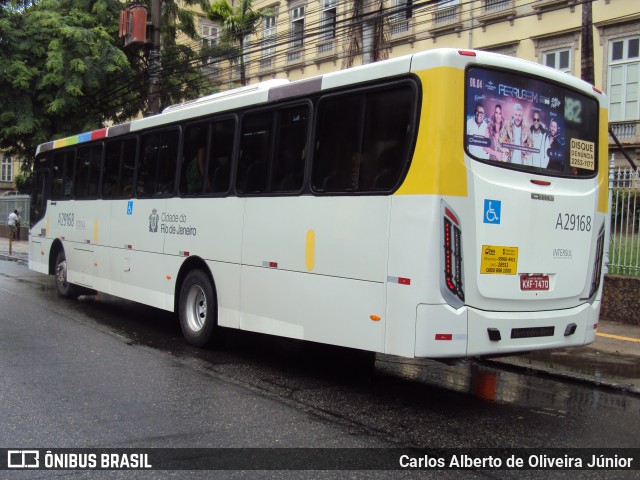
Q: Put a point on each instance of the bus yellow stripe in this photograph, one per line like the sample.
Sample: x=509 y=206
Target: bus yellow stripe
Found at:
x=310 y=255
x=95 y=231
x=603 y=168
x=438 y=161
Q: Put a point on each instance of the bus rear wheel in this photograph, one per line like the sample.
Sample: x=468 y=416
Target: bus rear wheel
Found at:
x=198 y=309
x=64 y=288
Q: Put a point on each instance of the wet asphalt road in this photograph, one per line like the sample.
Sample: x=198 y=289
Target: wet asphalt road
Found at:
x=102 y=372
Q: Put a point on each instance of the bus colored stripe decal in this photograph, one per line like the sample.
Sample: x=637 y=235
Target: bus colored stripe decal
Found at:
x=46 y=147
x=97 y=134
x=303 y=87
x=84 y=137
x=118 y=130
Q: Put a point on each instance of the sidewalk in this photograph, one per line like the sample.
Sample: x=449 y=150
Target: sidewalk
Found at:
x=19 y=250
x=613 y=360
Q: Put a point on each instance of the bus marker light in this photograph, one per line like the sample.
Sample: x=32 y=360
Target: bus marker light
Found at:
x=451 y=216
x=597 y=90
x=87 y=241
x=444 y=336
x=270 y=264
x=595 y=326
x=375 y=318
x=542 y=183
x=399 y=280
x=41 y=252
x=168 y=277
x=184 y=254
x=467 y=53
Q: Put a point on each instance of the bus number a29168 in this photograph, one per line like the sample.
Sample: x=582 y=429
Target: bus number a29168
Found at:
x=573 y=222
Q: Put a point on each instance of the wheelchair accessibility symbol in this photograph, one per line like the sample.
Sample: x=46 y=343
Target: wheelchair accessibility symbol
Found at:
x=492 y=211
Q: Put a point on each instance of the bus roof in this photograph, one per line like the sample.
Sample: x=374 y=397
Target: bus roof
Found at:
x=277 y=89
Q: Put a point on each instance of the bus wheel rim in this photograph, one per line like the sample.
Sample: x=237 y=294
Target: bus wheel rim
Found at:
x=196 y=311
x=61 y=274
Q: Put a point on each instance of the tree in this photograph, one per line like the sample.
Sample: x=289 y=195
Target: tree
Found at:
x=63 y=70
x=237 y=24
x=367 y=34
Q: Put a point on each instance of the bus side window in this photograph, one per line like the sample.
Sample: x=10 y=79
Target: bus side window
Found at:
x=363 y=140
x=119 y=163
x=220 y=154
x=39 y=189
x=337 y=143
x=157 y=164
x=386 y=138
x=87 y=173
x=255 y=152
x=192 y=171
x=289 y=159
x=62 y=183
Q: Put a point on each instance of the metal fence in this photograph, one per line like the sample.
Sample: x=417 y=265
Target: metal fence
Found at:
x=624 y=244
x=10 y=203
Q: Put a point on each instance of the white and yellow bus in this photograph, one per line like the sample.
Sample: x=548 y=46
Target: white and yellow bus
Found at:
x=444 y=204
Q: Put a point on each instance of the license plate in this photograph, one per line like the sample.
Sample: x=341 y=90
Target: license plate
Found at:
x=534 y=282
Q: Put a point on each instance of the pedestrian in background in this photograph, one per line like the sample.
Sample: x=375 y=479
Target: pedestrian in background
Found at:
x=14 y=224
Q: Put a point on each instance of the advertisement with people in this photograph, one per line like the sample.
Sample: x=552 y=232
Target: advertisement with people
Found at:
x=519 y=120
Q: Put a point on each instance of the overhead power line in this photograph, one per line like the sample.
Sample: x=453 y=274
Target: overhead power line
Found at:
x=313 y=35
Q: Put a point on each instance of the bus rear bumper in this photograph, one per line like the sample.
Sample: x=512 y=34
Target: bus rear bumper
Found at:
x=443 y=332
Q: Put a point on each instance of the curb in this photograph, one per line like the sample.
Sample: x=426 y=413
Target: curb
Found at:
x=13 y=258
x=618 y=386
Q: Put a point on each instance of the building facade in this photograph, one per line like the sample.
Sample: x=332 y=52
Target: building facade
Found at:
x=9 y=168
x=305 y=38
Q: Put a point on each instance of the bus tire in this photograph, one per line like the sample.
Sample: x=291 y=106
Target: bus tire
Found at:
x=64 y=288
x=198 y=309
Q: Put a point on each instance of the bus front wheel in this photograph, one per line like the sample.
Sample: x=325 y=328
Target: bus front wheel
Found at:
x=197 y=309
x=64 y=288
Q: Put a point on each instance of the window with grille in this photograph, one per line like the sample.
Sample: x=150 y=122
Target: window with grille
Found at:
x=623 y=78
x=269 y=36
x=329 y=17
x=297 y=27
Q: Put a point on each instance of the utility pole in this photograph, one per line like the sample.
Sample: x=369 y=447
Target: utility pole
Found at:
x=153 y=96
x=586 y=47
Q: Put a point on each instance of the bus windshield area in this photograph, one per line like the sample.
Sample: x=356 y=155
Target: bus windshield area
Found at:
x=521 y=122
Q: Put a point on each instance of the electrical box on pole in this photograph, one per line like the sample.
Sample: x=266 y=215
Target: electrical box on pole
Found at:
x=133 y=26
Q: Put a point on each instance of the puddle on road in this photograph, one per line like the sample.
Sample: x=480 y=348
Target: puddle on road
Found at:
x=499 y=385
x=604 y=366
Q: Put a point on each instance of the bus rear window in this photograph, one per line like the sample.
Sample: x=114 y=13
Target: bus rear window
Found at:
x=530 y=124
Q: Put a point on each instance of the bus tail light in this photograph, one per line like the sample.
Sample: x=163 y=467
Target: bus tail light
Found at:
x=597 y=267
x=453 y=254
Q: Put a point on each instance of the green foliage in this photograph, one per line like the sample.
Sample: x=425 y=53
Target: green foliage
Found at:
x=23 y=183
x=63 y=70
